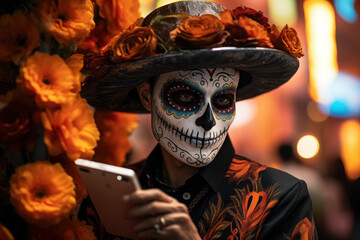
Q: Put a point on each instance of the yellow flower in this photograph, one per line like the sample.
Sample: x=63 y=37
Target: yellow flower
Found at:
x=5 y=234
x=70 y=168
x=48 y=78
x=119 y=14
x=76 y=63
x=115 y=128
x=42 y=193
x=19 y=36
x=67 y=20
x=72 y=129
x=66 y=230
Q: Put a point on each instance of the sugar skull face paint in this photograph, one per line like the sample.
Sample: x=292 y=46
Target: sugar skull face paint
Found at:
x=192 y=112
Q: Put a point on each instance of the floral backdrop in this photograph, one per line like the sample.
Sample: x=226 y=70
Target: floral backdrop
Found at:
x=44 y=122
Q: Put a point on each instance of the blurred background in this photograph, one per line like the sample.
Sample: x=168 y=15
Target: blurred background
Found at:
x=309 y=127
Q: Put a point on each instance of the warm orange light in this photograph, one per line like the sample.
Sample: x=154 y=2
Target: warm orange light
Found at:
x=146 y=6
x=322 y=50
x=350 y=147
x=308 y=146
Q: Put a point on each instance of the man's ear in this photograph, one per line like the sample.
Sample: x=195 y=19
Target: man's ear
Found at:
x=145 y=95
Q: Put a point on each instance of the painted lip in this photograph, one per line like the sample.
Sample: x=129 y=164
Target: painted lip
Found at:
x=193 y=138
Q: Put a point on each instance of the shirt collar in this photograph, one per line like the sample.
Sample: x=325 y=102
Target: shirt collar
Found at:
x=212 y=173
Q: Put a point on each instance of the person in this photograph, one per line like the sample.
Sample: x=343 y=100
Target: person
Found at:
x=194 y=185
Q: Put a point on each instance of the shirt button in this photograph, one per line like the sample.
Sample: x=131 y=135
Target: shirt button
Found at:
x=186 y=196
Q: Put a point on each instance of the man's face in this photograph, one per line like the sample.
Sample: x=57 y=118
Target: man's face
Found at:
x=192 y=112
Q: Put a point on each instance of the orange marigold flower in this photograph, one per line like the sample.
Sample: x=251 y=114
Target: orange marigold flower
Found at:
x=70 y=168
x=206 y=31
x=119 y=14
x=5 y=234
x=76 y=63
x=66 y=230
x=42 y=193
x=15 y=121
x=289 y=41
x=19 y=36
x=132 y=44
x=72 y=129
x=114 y=128
x=98 y=38
x=67 y=20
x=48 y=78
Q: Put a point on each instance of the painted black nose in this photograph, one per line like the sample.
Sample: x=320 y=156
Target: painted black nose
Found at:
x=206 y=121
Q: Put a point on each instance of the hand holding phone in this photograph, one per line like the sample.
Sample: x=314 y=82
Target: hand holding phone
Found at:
x=106 y=186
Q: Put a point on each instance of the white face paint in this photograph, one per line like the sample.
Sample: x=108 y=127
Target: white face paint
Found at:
x=192 y=112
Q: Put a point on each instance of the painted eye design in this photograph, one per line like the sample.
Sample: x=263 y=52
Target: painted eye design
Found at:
x=223 y=102
x=182 y=97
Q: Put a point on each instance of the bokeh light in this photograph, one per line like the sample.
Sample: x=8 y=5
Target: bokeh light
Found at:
x=344 y=96
x=346 y=9
x=350 y=147
x=283 y=12
x=322 y=48
x=308 y=146
x=314 y=112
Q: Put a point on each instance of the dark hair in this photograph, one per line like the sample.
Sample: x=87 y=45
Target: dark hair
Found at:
x=245 y=78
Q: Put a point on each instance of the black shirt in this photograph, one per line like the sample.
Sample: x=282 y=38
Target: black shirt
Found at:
x=236 y=198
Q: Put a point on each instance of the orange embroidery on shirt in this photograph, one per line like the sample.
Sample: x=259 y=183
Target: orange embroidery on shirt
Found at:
x=213 y=216
x=304 y=230
x=248 y=209
x=252 y=207
x=242 y=169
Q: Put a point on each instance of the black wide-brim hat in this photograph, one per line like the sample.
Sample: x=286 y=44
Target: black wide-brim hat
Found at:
x=262 y=69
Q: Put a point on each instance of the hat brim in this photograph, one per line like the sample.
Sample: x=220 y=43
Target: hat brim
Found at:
x=269 y=68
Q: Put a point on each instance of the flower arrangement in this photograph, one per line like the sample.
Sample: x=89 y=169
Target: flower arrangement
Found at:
x=44 y=122
x=240 y=27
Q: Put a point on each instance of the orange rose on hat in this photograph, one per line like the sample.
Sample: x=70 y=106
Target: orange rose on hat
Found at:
x=205 y=31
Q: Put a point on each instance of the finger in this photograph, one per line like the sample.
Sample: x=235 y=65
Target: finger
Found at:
x=144 y=196
x=156 y=208
x=147 y=224
x=169 y=220
x=173 y=224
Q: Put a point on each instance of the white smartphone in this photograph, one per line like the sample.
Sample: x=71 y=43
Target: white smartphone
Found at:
x=106 y=185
